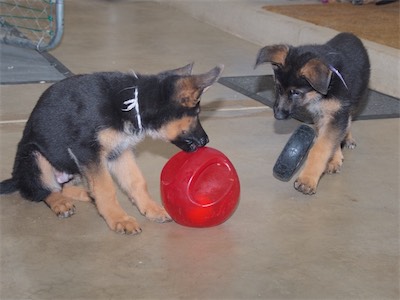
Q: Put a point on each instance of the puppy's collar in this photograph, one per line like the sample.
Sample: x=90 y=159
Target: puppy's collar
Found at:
x=134 y=104
x=334 y=70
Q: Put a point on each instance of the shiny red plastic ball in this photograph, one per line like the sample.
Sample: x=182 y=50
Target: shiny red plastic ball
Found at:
x=200 y=189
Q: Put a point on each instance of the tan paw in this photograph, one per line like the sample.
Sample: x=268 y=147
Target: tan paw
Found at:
x=126 y=225
x=62 y=206
x=306 y=185
x=334 y=166
x=156 y=213
x=64 y=210
x=350 y=143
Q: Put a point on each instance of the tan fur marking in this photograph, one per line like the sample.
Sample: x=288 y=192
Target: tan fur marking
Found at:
x=330 y=106
x=310 y=97
x=325 y=110
x=174 y=128
x=279 y=57
x=109 y=138
x=47 y=173
x=76 y=193
x=275 y=54
x=317 y=74
x=133 y=183
x=103 y=191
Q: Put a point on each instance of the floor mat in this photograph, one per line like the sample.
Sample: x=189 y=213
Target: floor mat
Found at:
x=377 y=23
x=21 y=65
x=261 y=88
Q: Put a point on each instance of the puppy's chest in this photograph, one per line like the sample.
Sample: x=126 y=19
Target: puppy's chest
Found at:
x=324 y=111
x=113 y=142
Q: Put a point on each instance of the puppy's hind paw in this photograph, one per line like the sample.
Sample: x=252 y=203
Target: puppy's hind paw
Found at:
x=60 y=205
x=66 y=213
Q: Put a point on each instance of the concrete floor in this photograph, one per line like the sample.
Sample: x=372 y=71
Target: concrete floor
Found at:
x=342 y=243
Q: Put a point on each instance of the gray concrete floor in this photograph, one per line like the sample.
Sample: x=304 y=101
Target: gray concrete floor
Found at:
x=342 y=243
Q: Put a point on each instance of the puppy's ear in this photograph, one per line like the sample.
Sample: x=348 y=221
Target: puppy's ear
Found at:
x=317 y=74
x=275 y=54
x=189 y=88
x=185 y=70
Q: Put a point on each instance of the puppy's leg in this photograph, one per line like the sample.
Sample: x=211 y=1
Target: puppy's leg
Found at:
x=132 y=182
x=325 y=155
x=315 y=165
x=103 y=191
x=76 y=193
x=62 y=202
x=335 y=163
x=62 y=206
x=349 y=142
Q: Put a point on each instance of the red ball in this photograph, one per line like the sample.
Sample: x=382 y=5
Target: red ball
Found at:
x=200 y=189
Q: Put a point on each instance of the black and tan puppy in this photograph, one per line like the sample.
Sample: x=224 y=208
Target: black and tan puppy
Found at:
x=329 y=81
x=88 y=125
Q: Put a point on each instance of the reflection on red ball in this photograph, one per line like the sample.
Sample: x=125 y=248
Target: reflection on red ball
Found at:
x=200 y=189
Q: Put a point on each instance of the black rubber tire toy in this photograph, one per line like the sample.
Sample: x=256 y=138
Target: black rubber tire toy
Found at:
x=294 y=152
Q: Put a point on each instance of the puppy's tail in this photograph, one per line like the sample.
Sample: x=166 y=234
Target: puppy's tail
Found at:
x=8 y=186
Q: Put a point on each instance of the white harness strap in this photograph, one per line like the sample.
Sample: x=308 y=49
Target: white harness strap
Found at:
x=134 y=104
x=134 y=74
x=333 y=69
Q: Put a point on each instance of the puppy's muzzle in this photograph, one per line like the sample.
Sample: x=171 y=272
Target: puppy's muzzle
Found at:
x=191 y=144
x=192 y=140
x=281 y=114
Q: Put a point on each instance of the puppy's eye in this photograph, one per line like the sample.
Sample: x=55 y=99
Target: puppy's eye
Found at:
x=296 y=93
x=183 y=132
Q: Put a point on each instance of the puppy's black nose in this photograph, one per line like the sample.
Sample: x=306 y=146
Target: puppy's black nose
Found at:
x=281 y=114
x=203 y=141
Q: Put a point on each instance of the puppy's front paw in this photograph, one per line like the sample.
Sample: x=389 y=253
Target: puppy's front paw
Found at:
x=126 y=225
x=157 y=214
x=306 y=185
x=350 y=143
x=334 y=165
